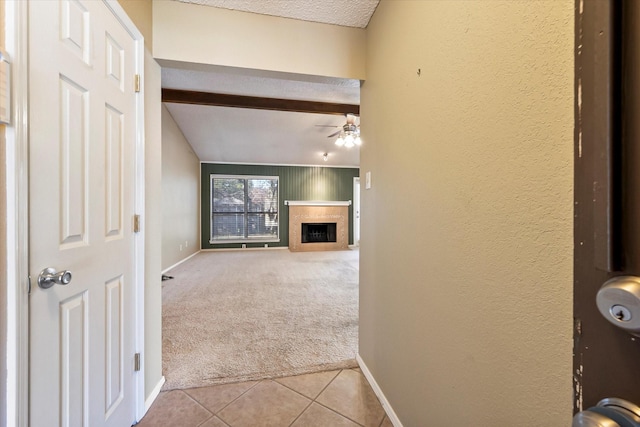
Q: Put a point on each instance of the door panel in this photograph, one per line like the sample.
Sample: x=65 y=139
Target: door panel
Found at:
x=114 y=344
x=74 y=358
x=75 y=28
x=74 y=141
x=113 y=176
x=82 y=160
x=607 y=196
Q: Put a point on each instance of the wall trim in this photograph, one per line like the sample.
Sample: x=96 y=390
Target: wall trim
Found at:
x=259 y=248
x=180 y=262
x=215 y=162
x=153 y=396
x=317 y=203
x=378 y=391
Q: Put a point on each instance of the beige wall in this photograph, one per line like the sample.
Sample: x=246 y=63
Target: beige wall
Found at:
x=180 y=194
x=207 y=35
x=140 y=12
x=466 y=247
x=152 y=225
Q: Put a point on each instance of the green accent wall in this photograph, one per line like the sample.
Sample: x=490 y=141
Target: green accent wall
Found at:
x=295 y=183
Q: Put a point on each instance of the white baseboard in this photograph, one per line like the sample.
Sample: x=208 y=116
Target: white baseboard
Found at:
x=179 y=262
x=259 y=248
x=376 y=389
x=154 y=394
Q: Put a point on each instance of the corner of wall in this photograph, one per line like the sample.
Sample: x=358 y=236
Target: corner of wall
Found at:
x=180 y=194
x=141 y=13
x=153 y=225
x=388 y=409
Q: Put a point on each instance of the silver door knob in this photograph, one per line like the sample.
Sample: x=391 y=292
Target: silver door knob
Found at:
x=592 y=419
x=619 y=302
x=609 y=412
x=49 y=277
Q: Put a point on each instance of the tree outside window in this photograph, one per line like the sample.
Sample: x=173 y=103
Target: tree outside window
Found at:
x=244 y=208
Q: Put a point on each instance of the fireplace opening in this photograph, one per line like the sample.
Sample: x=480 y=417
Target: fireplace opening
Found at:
x=318 y=232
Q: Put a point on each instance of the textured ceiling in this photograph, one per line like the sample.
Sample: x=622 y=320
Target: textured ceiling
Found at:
x=235 y=135
x=239 y=135
x=348 y=13
x=343 y=91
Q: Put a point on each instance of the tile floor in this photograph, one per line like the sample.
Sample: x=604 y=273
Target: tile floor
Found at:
x=340 y=398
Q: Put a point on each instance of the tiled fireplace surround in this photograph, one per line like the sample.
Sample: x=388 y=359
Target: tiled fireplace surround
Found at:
x=318 y=213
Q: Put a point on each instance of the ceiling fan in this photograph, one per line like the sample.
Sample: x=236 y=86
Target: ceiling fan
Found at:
x=349 y=135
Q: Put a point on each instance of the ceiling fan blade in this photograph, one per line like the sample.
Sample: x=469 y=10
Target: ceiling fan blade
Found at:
x=334 y=134
x=327 y=126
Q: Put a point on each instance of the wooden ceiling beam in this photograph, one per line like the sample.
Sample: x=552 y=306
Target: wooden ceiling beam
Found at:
x=239 y=101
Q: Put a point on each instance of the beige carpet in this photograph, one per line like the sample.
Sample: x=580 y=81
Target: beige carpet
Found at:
x=243 y=315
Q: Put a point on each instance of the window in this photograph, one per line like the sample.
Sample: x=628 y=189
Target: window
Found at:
x=244 y=208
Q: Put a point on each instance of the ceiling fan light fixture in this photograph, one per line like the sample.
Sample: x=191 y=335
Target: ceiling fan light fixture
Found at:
x=349 y=136
x=325 y=156
x=348 y=141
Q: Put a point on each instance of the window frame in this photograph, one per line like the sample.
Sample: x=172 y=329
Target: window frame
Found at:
x=245 y=178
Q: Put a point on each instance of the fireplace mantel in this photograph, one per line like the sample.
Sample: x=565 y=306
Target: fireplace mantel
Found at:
x=317 y=203
x=318 y=212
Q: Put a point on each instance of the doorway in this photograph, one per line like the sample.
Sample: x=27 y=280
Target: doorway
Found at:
x=356 y=211
x=607 y=195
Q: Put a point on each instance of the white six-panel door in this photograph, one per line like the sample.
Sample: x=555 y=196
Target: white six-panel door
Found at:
x=82 y=162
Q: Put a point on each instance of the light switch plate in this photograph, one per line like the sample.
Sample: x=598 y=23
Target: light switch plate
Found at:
x=367 y=180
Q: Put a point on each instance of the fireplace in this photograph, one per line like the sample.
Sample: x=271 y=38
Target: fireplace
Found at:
x=318 y=226
x=318 y=232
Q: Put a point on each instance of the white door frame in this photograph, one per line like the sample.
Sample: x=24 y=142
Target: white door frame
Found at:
x=16 y=16
x=17 y=213
x=356 y=211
